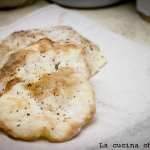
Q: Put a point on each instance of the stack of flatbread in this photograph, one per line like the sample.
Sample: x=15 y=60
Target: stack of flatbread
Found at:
x=44 y=89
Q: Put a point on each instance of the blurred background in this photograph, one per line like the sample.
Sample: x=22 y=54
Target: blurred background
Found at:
x=129 y=18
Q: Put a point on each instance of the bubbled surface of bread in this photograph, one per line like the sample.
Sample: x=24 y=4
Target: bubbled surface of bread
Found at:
x=63 y=35
x=56 y=106
x=30 y=63
x=44 y=89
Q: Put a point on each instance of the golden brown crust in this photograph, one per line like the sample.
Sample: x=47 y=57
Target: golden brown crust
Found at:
x=18 y=59
x=61 y=35
x=53 y=84
x=8 y=71
x=11 y=83
x=48 y=122
x=14 y=62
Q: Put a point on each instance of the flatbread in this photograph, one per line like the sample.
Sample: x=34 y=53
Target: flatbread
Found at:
x=62 y=35
x=56 y=107
x=44 y=89
x=44 y=56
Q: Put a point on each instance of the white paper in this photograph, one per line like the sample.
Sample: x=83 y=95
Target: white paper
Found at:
x=122 y=87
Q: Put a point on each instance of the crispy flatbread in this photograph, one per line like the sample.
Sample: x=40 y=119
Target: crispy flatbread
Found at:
x=62 y=35
x=30 y=63
x=44 y=89
x=55 y=107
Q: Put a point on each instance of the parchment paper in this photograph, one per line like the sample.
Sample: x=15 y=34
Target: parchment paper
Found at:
x=122 y=87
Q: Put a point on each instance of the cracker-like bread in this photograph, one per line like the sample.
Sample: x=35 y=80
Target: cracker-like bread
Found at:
x=62 y=35
x=56 y=106
x=44 y=89
x=44 y=56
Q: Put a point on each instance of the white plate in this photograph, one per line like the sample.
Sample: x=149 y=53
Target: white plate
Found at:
x=86 y=3
x=122 y=87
